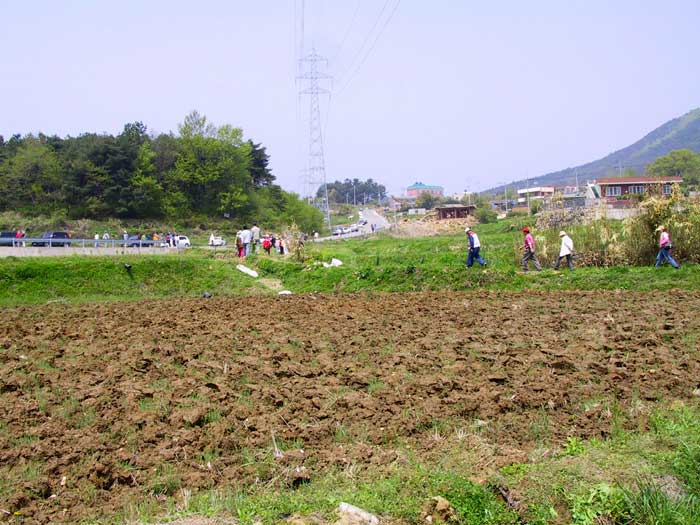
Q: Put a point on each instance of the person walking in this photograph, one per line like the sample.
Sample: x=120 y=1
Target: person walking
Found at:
x=474 y=248
x=529 y=251
x=267 y=244
x=566 y=250
x=246 y=238
x=255 y=234
x=665 y=246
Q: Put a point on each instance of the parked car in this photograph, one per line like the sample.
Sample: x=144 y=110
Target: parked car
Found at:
x=54 y=239
x=346 y=229
x=182 y=241
x=7 y=238
x=337 y=230
x=354 y=227
x=216 y=241
x=362 y=222
x=135 y=242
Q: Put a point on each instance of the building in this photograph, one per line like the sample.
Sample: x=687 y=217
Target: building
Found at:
x=396 y=203
x=414 y=190
x=455 y=211
x=537 y=193
x=617 y=187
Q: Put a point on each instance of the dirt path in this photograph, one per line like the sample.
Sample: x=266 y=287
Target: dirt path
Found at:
x=104 y=404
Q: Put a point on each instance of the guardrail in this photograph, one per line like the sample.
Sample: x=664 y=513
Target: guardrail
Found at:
x=83 y=243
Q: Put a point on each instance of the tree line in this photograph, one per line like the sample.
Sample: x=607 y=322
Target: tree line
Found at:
x=353 y=191
x=202 y=171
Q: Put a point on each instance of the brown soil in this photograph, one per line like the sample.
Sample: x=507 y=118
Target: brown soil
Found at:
x=106 y=404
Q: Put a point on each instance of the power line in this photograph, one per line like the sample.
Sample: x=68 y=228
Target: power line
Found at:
x=367 y=37
x=347 y=31
x=369 y=51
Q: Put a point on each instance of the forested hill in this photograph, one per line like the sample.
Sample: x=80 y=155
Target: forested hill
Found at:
x=204 y=171
x=680 y=133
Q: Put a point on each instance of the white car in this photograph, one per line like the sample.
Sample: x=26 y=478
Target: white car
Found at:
x=355 y=227
x=346 y=229
x=182 y=241
x=217 y=241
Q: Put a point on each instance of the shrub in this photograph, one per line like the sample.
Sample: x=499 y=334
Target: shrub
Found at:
x=485 y=215
x=680 y=216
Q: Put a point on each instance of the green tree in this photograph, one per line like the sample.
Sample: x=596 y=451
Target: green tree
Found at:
x=146 y=190
x=31 y=179
x=427 y=201
x=681 y=163
x=196 y=124
x=259 y=160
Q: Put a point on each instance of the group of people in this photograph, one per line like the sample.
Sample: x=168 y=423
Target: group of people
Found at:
x=250 y=240
x=566 y=250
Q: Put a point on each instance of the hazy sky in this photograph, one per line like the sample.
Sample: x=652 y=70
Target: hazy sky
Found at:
x=460 y=93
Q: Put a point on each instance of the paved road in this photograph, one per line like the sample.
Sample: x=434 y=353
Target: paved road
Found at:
x=372 y=216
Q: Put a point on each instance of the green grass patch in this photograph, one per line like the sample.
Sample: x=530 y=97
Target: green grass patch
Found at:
x=400 y=494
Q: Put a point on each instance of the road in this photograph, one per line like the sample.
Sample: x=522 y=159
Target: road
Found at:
x=372 y=216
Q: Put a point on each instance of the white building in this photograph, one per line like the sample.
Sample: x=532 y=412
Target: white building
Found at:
x=535 y=193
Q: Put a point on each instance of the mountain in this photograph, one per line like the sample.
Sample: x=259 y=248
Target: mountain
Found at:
x=680 y=133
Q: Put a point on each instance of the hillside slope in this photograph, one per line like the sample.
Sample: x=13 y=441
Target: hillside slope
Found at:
x=680 y=133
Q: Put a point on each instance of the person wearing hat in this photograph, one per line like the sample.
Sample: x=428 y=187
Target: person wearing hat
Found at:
x=474 y=248
x=665 y=246
x=566 y=250
x=529 y=254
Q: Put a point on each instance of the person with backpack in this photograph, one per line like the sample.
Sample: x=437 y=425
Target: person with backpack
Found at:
x=529 y=252
x=474 y=248
x=665 y=246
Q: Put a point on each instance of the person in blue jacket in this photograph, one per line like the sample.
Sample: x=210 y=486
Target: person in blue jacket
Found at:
x=474 y=248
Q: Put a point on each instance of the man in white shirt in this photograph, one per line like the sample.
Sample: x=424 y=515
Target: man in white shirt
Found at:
x=566 y=250
x=246 y=237
x=474 y=248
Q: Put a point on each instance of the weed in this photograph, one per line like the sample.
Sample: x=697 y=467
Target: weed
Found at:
x=574 y=446
x=212 y=416
x=602 y=502
x=166 y=481
x=648 y=504
x=375 y=386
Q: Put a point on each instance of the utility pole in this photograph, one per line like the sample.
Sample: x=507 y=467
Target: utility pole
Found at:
x=312 y=72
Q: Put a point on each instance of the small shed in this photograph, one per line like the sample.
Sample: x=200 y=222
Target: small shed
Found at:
x=454 y=211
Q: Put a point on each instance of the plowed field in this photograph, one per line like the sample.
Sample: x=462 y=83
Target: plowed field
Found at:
x=104 y=404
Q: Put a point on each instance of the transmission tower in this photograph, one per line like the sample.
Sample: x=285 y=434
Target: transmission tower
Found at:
x=312 y=72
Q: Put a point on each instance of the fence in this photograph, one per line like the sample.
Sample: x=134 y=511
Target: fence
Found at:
x=83 y=243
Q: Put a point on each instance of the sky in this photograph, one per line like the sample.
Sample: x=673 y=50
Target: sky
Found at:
x=457 y=93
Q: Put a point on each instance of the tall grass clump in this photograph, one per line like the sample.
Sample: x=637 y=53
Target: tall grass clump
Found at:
x=681 y=217
x=599 y=243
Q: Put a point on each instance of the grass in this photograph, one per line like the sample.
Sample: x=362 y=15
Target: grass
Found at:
x=380 y=263
x=400 y=494
x=78 y=279
x=641 y=477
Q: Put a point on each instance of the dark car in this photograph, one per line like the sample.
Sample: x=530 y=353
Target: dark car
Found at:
x=135 y=242
x=7 y=238
x=54 y=239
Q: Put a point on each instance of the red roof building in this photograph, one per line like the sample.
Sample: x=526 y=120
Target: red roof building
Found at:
x=619 y=186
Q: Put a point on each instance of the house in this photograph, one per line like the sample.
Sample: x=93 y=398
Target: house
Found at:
x=396 y=203
x=574 y=196
x=414 y=190
x=537 y=193
x=454 y=211
x=616 y=187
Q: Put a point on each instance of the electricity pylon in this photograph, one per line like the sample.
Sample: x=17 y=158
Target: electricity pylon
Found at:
x=311 y=72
